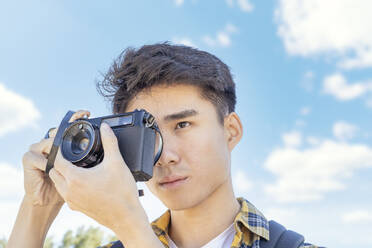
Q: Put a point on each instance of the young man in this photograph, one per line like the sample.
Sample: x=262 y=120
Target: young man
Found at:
x=192 y=96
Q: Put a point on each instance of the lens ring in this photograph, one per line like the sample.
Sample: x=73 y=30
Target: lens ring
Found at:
x=160 y=145
x=78 y=141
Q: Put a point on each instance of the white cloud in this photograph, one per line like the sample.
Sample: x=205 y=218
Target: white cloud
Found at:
x=282 y=215
x=12 y=191
x=229 y=28
x=340 y=28
x=313 y=141
x=369 y=102
x=309 y=74
x=307 y=174
x=16 y=111
x=308 y=81
x=241 y=182
x=223 y=37
x=8 y=214
x=305 y=110
x=300 y=123
x=184 y=41
x=244 y=5
x=179 y=2
x=230 y=3
x=343 y=130
x=292 y=139
x=11 y=181
x=357 y=217
x=338 y=86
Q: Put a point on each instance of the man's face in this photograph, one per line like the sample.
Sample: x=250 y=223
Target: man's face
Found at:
x=196 y=157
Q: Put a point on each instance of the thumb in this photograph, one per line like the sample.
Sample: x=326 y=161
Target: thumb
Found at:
x=109 y=142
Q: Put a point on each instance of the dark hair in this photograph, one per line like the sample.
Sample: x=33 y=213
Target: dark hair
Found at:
x=163 y=63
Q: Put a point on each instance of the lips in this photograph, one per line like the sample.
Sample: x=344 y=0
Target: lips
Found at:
x=171 y=179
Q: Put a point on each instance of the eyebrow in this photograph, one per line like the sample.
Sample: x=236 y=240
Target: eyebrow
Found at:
x=180 y=115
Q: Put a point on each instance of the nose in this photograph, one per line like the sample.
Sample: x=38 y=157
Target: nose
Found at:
x=169 y=155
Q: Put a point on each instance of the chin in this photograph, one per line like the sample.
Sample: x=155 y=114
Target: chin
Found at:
x=180 y=201
x=184 y=198
x=177 y=205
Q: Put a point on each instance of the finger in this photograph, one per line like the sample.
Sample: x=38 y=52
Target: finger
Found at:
x=52 y=132
x=34 y=160
x=109 y=141
x=42 y=147
x=59 y=182
x=80 y=114
x=62 y=165
x=67 y=169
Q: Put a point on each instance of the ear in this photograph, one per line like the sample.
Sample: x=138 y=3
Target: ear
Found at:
x=233 y=130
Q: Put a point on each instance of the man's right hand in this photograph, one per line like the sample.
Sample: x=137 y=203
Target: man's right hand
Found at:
x=39 y=188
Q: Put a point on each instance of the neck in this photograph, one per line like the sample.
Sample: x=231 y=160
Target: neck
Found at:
x=213 y=215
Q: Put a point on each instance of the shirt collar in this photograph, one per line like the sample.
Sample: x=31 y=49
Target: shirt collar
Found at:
x=161 y=224
x=252 y=219
x=249 y=217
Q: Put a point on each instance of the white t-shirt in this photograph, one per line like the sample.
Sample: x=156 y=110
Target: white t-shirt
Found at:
x=223 y=240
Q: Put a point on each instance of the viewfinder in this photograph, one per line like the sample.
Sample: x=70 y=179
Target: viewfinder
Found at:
x=119 y=121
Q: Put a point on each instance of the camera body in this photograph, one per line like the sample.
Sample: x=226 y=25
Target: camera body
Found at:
x=138 y=136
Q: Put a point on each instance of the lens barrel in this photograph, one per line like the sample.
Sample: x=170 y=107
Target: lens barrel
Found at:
x=81 y=144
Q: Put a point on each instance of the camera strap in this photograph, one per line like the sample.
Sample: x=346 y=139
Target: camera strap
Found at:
x=57 y=141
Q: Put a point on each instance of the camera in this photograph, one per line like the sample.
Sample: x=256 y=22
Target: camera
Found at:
x=139 y=139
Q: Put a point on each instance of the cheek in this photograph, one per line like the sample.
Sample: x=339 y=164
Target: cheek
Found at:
x=208 y=155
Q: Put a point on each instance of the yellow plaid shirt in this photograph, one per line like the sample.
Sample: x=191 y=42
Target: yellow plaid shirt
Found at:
x=250 y=226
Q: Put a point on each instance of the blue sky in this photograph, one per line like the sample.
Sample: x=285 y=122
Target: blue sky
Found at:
x=304 y=89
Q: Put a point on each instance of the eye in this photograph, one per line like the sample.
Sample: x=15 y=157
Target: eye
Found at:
x=183 y=124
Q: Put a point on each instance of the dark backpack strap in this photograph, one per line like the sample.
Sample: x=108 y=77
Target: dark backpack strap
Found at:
x=280 y=237
x=114 y=244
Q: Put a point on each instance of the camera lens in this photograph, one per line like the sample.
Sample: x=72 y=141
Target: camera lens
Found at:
x=81 y=144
